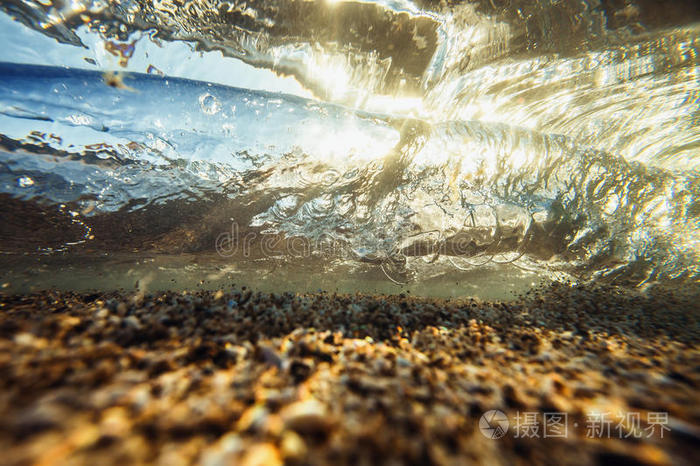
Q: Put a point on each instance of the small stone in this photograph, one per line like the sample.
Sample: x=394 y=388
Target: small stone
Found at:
x=132 y=322
x=85 y=436
x=273 y=426
x=292 y=445
x=25 y=339
x=222 y=453
x=252 y=418
x=115 y=422
x=403 y=362
x=305 y=416
x=261 y=454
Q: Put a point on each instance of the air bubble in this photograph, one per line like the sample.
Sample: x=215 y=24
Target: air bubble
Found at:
x=25 y=182
x=209 y=104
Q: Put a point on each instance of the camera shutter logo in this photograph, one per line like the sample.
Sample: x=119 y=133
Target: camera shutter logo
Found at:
x=493 y=424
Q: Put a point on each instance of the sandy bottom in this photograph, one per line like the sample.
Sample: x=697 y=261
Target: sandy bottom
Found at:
x=578 y=375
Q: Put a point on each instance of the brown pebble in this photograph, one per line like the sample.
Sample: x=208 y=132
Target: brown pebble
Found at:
x=252 y=418
x=305 y=416
x=261 y=454
x=292 y=446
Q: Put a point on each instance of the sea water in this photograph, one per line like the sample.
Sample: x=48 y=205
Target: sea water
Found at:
x=470 y=148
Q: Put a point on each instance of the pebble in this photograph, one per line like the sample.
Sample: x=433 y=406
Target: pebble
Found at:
x=252 y=419
x=305 y=416
x=261 y=454
x=292 y=446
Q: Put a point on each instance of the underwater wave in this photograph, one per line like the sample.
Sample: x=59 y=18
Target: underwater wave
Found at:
x=561 y=136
